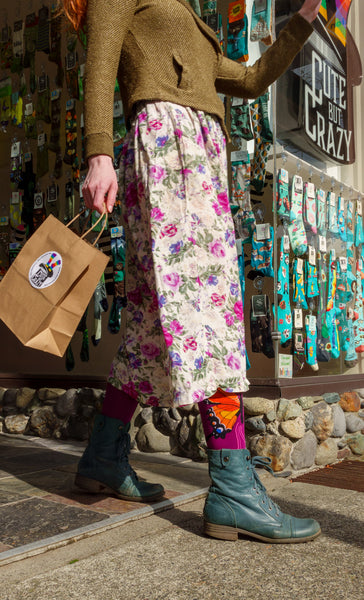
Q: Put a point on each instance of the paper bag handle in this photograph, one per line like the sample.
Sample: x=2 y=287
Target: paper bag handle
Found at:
x=92 y=226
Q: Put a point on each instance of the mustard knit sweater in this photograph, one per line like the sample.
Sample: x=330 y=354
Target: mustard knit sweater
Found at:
x=161 y=50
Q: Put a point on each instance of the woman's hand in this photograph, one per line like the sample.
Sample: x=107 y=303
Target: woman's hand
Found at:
x=100 y=186
x=309 y=9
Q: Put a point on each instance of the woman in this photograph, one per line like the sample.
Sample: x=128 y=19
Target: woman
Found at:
x=184 y=339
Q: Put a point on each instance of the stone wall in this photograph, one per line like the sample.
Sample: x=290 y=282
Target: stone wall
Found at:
x=295 y=434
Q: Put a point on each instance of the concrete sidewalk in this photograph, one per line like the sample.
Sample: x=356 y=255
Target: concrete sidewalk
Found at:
x=165 y=556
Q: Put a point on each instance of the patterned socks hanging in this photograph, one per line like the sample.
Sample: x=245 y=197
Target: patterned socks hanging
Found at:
x=296 y=229
x=222 y=418
x=284 y=315
x=262 y=141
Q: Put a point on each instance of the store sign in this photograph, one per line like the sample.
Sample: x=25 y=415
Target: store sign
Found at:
x=321 y=115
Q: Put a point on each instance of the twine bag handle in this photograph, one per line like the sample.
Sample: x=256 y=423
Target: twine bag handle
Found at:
x=92 y=226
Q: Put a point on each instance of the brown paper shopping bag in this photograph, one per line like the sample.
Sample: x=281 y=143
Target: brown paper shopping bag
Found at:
x=49 y=285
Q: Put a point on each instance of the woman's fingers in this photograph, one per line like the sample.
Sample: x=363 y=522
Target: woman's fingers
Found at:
x=100 y=186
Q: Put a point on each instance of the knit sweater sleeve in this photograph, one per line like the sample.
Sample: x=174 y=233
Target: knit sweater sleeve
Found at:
x=234 y=79
x=107 y=24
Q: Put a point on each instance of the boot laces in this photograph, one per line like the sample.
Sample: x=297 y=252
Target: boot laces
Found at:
x=123 y=456
x=265 y=462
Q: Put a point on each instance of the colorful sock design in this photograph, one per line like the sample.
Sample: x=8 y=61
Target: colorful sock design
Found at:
x=283 y=203
x=349 y=222
x=244 y=218
x=118 y=247
x=331 y=309
x=261 y=26
x=351 y=358
x=311 y=341
x=237 y=29
x=299 y=297
x=261 y=325
x=341 y=223
x=100 y=305
x=261 y=146
x=321 y=212
x=312 y=290
x=332 y=213
x=262 y=252
x=323 y=339
x=222 y=418
x=296 y=230
x=358 y=309
x=284 y=315
x=240 y=121
x=298 y=351
x=310 y=208
x=359 y=234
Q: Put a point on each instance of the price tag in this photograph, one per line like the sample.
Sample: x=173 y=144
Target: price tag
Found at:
x=52 y=193
x=42 y=83
x=263 y=231
x=41 y=139
x=343 y=261
x=70 y=104
x=298 y=318
x=27 y=157
x=71 y=59
x=239 y=247
x=15 y=197
x=82 y=70
x=118 y=108
x=310 y=189
x=332 y=199
x=15 y=149
x=341 y=203
x=239 y=156
x=322 y=244
x=333 y=254
x=116 y=232
x=299 y=266
x=38 y=200
x=260 y=6
x=311 y=322
x=69 y=189
x=55 y=94
x=321 y=195
x=4 y=221
x=359 y=208
x=28 y=109
x=82 y=121
x=351 y=313
x=286 y=243
x=298 y=184
x=312 y=255
x=283 y=176
x=237 y=101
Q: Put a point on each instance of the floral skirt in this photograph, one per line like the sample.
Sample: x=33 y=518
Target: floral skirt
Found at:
x=184 y=334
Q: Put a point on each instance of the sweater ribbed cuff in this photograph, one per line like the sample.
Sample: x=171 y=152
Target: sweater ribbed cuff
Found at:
x=99 y=143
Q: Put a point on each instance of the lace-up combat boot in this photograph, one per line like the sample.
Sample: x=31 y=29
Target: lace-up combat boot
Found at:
x=237 y=502
x=104 y=466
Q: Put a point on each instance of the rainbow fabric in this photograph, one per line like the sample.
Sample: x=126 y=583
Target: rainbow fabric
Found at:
x=338 y=22
x=51 y=262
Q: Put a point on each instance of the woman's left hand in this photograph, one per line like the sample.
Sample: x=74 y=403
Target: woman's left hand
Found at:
x=310 y=9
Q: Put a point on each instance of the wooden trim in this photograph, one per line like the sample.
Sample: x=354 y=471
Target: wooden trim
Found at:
x=304 y=386
x=65 y=382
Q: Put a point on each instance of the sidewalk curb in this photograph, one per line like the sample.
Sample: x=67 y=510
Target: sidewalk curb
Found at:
x=64 y=539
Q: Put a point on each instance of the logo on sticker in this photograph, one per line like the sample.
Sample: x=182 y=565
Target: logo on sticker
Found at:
x=45 y=270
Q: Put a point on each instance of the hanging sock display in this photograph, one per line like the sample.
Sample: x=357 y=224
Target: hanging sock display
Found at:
x=43 y=30
x=240 y=119
x=262 y=141
x=321 y=212
x=42 y=156
x=349 y=223
x=42 y=106
x=18 y=47
x=283 y=203
x=284 y=315
x=30 y=122
x=54 y=141
x=118 y=247
x=331 y=309
x=358 y=308
x=6 y=47
x=261 y=325
x=298 y=342
x=55 y=54
x=100 y=305
x=72 y=67
x=244 y=218
x=5 y=102
x=296 y=229
x=39 y=213
x=261 y=25
x=262 y=250
x=71 y=133
x=332 y=213
x=16 y=207
x=27 y=185
x=311 y=341
x=323 y=339
x=341 y=222
x=237 y=32
x=312 y=289
x=299 y=297
x=310 y=207
x=17 y=110
x=69 y=209
x=30 y=43
x=359 y=233
x=351 y=358
x=85 y=347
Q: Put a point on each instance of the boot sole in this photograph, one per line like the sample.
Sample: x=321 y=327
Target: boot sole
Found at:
x=223 y=532
x=86 y=484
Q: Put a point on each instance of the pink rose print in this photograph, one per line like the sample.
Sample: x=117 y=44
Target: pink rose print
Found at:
x=176 y=327
x=238 y=310
x=229 y=319
x=150 y=350
x=217 y=249
x=190 y=343
x=168 y=337
x=155 y=124
x=206 y=186
x=145 y=387
x=135 y=296
x=178 y=133
x=156 y=173
x=223 y=201
x=216 y=208
x=129 y=388
x=173 y=280
x=156 y=214
x=169 y=230
x=218 y=300
x=153 y=401
x=198 y=395
x=141 y=117
x=232 y=362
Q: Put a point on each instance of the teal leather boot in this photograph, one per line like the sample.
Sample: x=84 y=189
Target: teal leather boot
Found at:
x=104 y=466
x=237 y=502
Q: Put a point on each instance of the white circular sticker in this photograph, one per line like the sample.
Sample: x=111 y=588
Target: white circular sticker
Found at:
x=45 y=270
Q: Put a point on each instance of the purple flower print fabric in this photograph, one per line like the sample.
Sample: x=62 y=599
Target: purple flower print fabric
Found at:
x=184 y=332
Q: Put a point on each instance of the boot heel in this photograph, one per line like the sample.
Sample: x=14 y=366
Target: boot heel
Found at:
x=89 y=485
x=221 y=532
